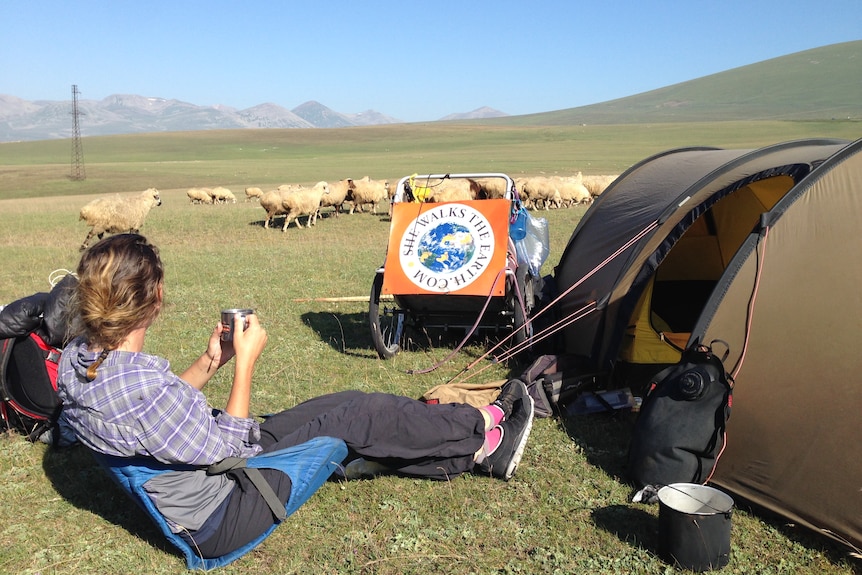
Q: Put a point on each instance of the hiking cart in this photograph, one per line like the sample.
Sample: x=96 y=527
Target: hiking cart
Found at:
x=451 y=262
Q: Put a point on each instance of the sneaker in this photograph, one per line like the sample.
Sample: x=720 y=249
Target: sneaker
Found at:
x=504 y=460
x=512 y=391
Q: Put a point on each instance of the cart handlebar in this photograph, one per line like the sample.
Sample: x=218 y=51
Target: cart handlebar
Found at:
x=511 y=192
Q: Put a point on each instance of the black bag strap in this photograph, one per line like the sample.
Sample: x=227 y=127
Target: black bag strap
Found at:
x=660 y=376
x=254 y=475
x=5 y=353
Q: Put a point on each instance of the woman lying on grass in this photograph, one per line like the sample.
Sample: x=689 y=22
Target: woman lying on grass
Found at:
x=124 y=402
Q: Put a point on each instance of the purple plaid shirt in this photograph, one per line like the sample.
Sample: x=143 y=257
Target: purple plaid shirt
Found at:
x=138 y=406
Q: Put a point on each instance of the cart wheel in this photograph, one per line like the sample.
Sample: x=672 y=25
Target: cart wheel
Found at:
x=387 y=325
x=519 y=314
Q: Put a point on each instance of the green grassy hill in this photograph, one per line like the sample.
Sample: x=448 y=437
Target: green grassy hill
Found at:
x=820 y=84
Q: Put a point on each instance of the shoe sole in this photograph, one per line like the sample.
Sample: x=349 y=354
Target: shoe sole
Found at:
x=522 y=442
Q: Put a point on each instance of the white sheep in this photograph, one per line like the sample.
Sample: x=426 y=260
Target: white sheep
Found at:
x=118 y=214
x=519 y=187
x=454 y=190
x=337 y=195
x=491 y=188
x=253 y=194
x=199 y=196
x=539 y=189
x=289 y=187
x=271 y=202
x=303 y=202
x=222 y=195
x=367 y=191
x=598 y=184
x=391 y=189
x=572 y=191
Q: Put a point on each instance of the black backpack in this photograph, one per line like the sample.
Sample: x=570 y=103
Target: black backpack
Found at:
x=680 y=430
x=28 y=385
x=32 y=330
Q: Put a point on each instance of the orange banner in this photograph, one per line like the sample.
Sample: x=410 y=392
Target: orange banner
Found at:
x=451 y=247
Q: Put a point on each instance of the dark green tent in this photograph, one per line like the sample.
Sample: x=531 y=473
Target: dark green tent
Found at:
x=758 y=248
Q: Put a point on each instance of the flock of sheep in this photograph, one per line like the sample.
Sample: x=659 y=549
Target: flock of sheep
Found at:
x=217 y=195
x=294 y=200
x=116 y=214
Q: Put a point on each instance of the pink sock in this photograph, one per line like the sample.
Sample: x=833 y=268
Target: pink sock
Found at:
x=496 y=414
x=493 y=437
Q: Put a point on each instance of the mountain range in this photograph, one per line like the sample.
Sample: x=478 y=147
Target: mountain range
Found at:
x=818 y=84
x=125 y=114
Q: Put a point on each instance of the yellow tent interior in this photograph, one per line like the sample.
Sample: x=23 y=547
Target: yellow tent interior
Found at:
x=674 y=297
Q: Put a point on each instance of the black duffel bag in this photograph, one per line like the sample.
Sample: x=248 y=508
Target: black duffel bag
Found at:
x=680 y=430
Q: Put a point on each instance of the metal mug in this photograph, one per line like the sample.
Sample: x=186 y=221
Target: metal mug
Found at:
x=227 y=317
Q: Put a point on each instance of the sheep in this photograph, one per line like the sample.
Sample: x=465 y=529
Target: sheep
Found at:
x=598 y=184
x=453 y=190
x=116 y=214
x=337 y=195
x=367 y=191
x=573 y=191
x=519 y=187
x=199 y=196
x=223 y=195
x=303 y=202
x=271 y=202
x=391 y=189
x=253 y=194
x=539 y=189
x=491 y=188
x=289 y=187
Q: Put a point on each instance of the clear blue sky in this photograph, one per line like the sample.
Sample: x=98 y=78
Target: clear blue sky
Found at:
x=414 y=61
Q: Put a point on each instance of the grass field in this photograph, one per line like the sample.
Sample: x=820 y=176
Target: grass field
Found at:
x=267 y=158
x=566 y=511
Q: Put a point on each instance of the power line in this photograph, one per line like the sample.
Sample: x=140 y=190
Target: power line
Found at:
x=78 y=171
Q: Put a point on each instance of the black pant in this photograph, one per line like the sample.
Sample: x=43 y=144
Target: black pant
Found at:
x=409 y=436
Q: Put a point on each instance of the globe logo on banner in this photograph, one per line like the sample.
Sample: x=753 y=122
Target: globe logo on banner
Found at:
x=446 y=248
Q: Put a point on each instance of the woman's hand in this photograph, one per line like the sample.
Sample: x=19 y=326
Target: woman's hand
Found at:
x=219 y=352
x=248 y=343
